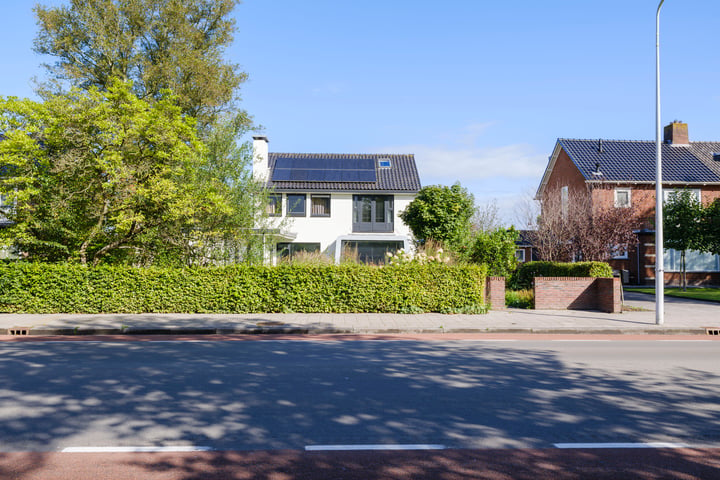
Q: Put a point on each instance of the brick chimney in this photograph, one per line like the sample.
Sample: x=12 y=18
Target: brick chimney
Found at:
x=676 y=133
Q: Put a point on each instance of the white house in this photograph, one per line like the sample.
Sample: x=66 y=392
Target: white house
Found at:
x=334 y=202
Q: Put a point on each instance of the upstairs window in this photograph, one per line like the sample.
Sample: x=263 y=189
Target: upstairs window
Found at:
x=320 y=205
x=296 y=204
x=384 y=163
x=564 y=201
x=622 y=198
x=373 y=213
x=274 y=205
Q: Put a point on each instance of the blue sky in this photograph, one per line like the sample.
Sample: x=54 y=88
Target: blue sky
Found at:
x=478 y=90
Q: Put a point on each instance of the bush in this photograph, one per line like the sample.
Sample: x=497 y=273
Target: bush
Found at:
x=523 y=277
x=520 y=298
x=496 y=250
x=69 y=288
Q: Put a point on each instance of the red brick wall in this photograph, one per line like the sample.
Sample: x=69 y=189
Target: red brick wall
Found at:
x=578 y=293
x=495 y=292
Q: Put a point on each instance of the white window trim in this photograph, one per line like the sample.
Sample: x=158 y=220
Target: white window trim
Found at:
x=669 y=191
x=629 y=196
x=520 y=258
x=564 y=200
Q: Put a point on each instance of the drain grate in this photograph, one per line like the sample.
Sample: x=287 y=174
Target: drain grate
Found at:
x=19 y=331
x=712 y=331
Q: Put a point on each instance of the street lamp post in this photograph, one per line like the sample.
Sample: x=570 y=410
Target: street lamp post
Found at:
x=659 y=250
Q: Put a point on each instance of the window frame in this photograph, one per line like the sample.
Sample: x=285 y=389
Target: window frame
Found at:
x=522 y=251
x=274 y=200
x=329 y=205
x=629 y=197
x=290 y=211
x=372 y=226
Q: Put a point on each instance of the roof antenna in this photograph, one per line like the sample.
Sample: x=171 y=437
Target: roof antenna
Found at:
x=600 y=145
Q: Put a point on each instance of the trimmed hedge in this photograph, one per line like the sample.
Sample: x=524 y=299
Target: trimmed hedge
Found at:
x=523 y=277
x=69 y=288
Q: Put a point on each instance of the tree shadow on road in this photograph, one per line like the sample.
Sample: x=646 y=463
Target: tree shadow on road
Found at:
x=287 y=395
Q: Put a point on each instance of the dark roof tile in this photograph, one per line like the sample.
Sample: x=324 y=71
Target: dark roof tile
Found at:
x=634 y=161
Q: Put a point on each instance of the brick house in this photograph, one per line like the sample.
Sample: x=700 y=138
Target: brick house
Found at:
x=625 y=169
x=524 y=246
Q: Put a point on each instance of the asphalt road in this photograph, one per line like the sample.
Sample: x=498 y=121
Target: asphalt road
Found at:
x=272 y=395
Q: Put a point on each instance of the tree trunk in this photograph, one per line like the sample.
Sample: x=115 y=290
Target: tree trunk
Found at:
x=682 y=261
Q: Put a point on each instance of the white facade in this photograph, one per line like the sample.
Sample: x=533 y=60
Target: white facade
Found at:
x=331 y=232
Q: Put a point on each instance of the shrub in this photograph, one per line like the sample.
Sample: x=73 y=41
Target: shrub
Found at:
x=523 y=277
x=70 y=288
x=520 y=298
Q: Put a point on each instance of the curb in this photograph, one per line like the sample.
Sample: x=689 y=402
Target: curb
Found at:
x=309 y=330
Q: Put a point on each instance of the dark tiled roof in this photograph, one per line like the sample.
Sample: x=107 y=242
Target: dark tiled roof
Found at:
x=402 y=176
x=525 y=237
x=634 y=161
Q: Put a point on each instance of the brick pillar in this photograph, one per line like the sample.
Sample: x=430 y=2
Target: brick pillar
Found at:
x=609 y=291
x=495 y=292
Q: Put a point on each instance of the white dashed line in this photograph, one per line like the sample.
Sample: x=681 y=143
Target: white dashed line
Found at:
x=621 y=445
x=311 y=448
x=176 y=448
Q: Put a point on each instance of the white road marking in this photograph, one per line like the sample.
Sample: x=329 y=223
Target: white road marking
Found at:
x=176 y=448
x=311 y=448
x=621 y=445
x=578 y=340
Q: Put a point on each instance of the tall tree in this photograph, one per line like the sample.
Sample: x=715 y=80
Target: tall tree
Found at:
x=682 y=221
x=711 y=228
x=158 y=44
x=443 y=214
x=95 y=175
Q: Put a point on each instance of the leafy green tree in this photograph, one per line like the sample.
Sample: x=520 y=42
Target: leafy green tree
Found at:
x=97 y=176
x=711 y=228
x=497 y=250
x=158 y=44
x=682 y=223
x=443 y=214
x=241 y=230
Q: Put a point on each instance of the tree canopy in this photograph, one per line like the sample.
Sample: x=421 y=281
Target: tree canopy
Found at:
x=496 y=249
x=103 y=175
x=158 y=44
x=441 y=213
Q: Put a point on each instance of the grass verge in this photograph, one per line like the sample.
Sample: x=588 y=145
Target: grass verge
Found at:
x=708 y=294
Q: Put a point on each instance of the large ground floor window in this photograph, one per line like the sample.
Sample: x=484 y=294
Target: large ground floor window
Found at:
x=695 y=261
x=285 y=250
x=372 y=251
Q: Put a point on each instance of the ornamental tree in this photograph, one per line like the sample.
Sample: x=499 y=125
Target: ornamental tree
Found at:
x=441 y=213
x=682 y=223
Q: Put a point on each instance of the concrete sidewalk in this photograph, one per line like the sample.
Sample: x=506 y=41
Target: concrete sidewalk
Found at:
x=681 y=317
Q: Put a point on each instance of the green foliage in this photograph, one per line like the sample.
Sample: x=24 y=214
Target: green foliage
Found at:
x=520 y=298
x=158 y=44
x=72 y=288
x=682 y=215
x=496 y=250
x=711 y=228
x=102 y=176
x=441 y=213
x=523 y=277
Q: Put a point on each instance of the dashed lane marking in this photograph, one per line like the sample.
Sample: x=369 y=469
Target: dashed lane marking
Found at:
x=175 y=448
x=315 y=448
x=621 y=445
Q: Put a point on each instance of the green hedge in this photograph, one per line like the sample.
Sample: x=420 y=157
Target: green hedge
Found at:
x=523 y=277
x=66 y=288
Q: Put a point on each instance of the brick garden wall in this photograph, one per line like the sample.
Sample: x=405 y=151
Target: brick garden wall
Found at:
x=578 y=293
x=495 y=292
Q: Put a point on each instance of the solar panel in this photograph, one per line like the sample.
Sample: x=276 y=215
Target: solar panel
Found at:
x=324 y=170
